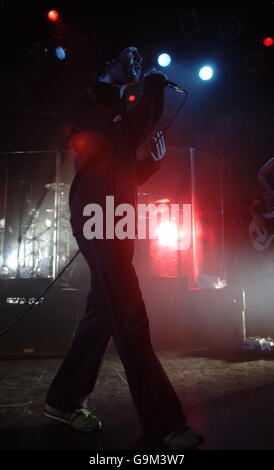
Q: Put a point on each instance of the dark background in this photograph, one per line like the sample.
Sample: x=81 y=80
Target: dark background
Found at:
x=228 y=119
x=231 y=114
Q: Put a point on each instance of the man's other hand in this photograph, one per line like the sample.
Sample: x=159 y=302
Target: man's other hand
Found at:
x=158 y=149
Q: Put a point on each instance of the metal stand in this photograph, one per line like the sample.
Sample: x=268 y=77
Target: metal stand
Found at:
x=39 y=257
x=55 y=256
x=193 y=216
x=5 y=200
x=223 y=255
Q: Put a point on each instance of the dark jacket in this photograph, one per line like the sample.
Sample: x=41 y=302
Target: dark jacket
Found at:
x=106 y=137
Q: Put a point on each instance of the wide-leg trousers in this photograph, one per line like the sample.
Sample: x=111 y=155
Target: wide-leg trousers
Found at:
x=115 y=307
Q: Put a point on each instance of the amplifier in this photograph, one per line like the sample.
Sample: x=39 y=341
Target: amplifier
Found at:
x=214 y=318
x=47 y=329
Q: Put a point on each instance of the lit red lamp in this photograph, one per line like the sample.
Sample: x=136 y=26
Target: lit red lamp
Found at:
x=53 y=15
x=268 y=41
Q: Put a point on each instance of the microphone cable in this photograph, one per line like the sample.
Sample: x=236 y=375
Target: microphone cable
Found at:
x=171 y=120
x=12 y=324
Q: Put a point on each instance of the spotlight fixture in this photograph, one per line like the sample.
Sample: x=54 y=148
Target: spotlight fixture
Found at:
x=164 y=60
x=53 y=15
x=268 y=42
x=206 y=72
x=60 y=53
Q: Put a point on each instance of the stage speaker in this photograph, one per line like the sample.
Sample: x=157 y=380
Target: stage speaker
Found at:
x=214 y=319
x=162 y=298
x=47 y=329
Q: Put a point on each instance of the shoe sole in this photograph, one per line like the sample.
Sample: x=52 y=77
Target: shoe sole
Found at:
x=67 y=422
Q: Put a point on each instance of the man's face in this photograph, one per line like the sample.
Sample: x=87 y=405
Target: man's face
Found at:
x=127 y=67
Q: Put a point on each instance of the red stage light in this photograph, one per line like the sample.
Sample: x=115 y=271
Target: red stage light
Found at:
x=268 y=42
x=162 y=201
x=168 y=234
x=132 y=98
x=53 y=15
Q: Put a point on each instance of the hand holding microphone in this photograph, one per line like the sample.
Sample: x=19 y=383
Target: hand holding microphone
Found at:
x=167 y=83
x=154 y=71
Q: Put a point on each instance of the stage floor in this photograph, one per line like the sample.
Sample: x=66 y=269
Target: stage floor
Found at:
x=229 y=401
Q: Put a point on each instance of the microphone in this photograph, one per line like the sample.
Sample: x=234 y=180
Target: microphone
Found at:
x=175 y=87
x=167 y=83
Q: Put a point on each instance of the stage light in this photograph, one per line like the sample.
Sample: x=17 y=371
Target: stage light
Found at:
x=254 y=61
x=53 y=15
x=230 y=29
x=268 y=42
x=60 y=53
x=131 y=98
x=164 y=60
x=220 y=284
x=206 y=72
x=168 y=234
x=48 y=223
x=12 y=261
x=162 y=201
x=189 y=22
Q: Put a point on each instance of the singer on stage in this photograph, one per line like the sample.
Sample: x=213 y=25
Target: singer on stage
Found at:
x=105 y=139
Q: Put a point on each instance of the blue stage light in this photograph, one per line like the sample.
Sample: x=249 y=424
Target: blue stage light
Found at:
x=164 y=60
x=60 y=53
x=206 y=72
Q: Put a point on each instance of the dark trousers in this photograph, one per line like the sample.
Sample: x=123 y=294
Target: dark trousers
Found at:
x=115 y=307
